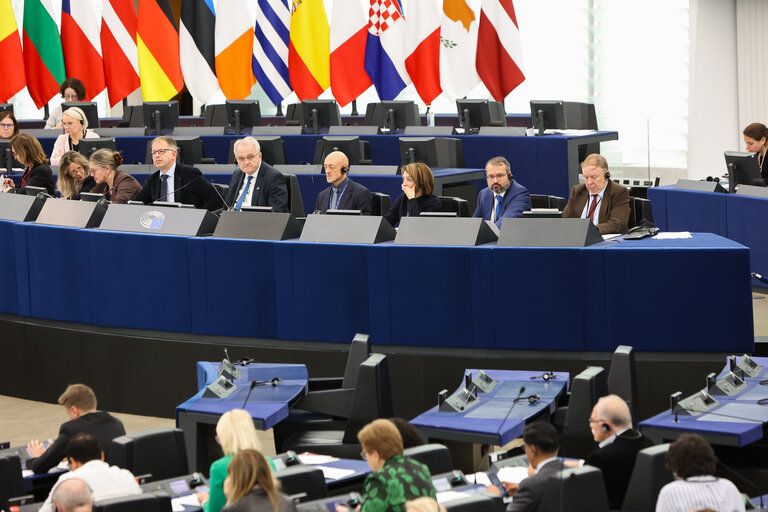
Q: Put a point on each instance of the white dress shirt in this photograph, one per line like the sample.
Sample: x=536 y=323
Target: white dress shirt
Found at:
x=251 y=188
x=171 y=187
x=596 y=215
x=104 y=480
x=700 y=492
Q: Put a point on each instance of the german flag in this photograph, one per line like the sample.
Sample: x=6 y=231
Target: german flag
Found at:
x=158 y=43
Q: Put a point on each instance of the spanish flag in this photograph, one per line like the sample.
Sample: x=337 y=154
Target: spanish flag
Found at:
x=309 y=49
x=158 y=44
x=11 y=57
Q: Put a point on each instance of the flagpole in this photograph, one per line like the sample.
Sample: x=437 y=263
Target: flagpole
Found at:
x=354 y=107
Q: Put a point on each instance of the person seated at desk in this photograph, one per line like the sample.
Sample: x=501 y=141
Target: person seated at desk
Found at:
x=504 y=197
x=417 y=196
x=693 y=461
x=395 y=478
x=86 y=462
x=75 y=128
x=234 y=432
x=9 y=126
x=74 y=175
x=619 y=443
x=424 y=505
x=541 y=444
x=756 y=141
x=79 y=403
x=251 y=487
x=176 y=182
x=612 y=216
x=27 y=150
x=255 y=182
x=71 y=89
x=117 y=186
x=74 y=495
x=343 y=194
x=410 y=434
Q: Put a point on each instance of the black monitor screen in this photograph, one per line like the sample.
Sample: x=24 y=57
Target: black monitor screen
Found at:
x=396 y=115
x=6 y=106
x=319 y=115
x=88 y=108
x=548 y=115
x=243 y=115
x=88 y=146
x=476 y=113
x=442 y=152
x=742 y=169
x=7 y=162
x=161 y=117
x=350 y=146
x=190 y=150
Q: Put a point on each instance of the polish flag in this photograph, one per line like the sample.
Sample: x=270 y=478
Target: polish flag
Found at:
x=422 y=45
x=349 y=31
x=118 y=44
x=499 y=50
x=82 y=46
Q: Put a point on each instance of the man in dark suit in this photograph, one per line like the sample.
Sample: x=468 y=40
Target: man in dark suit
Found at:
x=176 y=182
x=611 y=424
x=343 y=194
x=79 y=402
x=540 y=442
x=255 y=182
x=504 y=197
x=604 y=202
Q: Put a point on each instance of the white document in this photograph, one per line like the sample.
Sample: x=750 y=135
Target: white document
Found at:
x=679 y=235
x=177 y=504
x=312 y=459
x=514 y=474
x=335 y=473
x=446 y=496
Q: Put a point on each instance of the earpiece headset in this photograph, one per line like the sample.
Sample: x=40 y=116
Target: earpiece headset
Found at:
x=607 y=174
x=545 y=376
x=532 y=399
x=344 y=169
x=605 y=428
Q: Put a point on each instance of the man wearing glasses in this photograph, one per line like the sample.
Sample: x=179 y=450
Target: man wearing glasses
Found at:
x=255 y=182
x=504 y=197
x=175 y=182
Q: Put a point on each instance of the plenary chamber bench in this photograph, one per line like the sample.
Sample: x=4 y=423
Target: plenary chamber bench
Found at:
x=648 y=293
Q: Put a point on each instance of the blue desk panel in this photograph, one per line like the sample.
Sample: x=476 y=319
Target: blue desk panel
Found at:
x=739 y=218
x=9 y=301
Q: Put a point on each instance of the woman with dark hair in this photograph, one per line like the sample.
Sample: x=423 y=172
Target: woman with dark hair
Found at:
x=9 y=126
x=251 y=487
x=27 y=150
x=410 y=434
x=417 y=196
x=74 y=175
x=117 y=186
x=756 y=141
x=75 y=128
x=693 y=461
x=71 y=90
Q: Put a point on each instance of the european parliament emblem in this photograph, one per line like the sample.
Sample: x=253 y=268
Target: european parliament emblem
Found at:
x=152 y=219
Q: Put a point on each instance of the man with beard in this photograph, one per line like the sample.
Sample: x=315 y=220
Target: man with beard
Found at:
x=504 y=197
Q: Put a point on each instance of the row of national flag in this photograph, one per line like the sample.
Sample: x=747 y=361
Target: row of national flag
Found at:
x=441 y=46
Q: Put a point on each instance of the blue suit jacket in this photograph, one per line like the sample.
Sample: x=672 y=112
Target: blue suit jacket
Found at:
x=355 y=197
x=513 y=204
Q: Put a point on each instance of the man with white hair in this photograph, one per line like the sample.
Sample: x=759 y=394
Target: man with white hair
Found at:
x=255 y=182
x=618 y=444
x=74 y=495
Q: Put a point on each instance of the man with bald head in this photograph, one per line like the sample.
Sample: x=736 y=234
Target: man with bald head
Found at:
x=74 y=495
x=343 y=194
x=618 y=444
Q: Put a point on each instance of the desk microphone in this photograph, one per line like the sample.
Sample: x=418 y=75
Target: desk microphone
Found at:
x=514 y=403
x=177 y=190
x=679 y=407
x=223 y=202
x=760 y=277
x=253 y=385
x=746 y=481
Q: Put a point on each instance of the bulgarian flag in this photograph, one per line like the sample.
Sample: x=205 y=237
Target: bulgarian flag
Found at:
x=10 y=53
x=309 y=64
x=43 y=57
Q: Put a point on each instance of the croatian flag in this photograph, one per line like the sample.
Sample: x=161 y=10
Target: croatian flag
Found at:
x=385 y=50
x=82 y=46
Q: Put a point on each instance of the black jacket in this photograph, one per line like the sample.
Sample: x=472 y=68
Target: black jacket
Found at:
x=197 y=191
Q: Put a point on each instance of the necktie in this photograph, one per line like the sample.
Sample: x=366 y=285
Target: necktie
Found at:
x=592 y=207
x=163 y=187
x=245 y=193
x=497 y=209
x=335 y=198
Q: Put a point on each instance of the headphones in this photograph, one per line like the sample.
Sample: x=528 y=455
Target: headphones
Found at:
x=605 y=428
x=344 y=170
x=532 y=399
x=545 y=376
x=607 y=175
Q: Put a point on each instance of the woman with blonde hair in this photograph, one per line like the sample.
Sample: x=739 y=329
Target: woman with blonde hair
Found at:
x=74 y=175
x=424 y=504
x=75 y=128
x=234 y=432
x=117 y=186
x=418 y=185
x=251 y=487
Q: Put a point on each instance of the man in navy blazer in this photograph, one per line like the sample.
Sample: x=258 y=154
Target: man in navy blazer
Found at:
x=343 y=194
x=504 y=197
x=255 y=182
x=175 y=182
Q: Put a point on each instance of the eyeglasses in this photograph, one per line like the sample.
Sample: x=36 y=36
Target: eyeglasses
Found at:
x=71 y=97
x=494 y=177
x=7 y=126
x=161 y=151
x=248 y=158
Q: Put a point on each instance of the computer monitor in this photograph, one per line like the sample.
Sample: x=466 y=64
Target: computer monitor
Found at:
x=272 y=150
x=7 y=162
x=243 y=115
x=160 y=117
x=394 y=115
x=742 y=169
x=443 y=152
x=352 y=147
x=319 y=114
x=343 y=212
x=88 y=146
x=6 y=106
x=476 y=113
x=190 y=150
x=215 y=115
x=33 y=191
x=548 y=115
x=89 y=109
x=258 y=209
x=91 y=197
